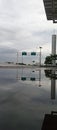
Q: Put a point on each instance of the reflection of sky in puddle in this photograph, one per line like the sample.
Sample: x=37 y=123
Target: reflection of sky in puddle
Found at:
x=23 y=103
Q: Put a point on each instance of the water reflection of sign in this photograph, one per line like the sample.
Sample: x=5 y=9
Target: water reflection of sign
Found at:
x=23 y=78
x=29 y=75
x=32 y=78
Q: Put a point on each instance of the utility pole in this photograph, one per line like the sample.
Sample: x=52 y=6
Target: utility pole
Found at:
x=17 y=57
x=40 y=56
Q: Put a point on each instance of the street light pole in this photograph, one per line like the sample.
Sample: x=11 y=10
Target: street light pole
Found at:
x=17 y=57
x=40 y=57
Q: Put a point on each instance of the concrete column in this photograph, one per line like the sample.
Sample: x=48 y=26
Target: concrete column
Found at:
x=53 y=48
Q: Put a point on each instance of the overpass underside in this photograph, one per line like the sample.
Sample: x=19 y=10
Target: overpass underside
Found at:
x=51 y=9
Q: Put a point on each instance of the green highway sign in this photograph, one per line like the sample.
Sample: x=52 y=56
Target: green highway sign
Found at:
x=33 y=53
x=24 y=53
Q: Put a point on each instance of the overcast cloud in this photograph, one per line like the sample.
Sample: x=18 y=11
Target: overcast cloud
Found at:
x=23 y=26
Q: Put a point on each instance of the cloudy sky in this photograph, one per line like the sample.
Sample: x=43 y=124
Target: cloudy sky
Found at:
x=23 y=26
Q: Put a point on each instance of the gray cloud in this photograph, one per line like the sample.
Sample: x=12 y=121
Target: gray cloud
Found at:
x=6 y=34
x=23 y=25
x=7 y=50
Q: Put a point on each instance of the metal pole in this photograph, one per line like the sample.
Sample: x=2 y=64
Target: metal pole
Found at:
x=40 y=57
x=22 y=59
x=17 y=57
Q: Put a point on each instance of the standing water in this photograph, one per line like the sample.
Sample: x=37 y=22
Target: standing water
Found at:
x=26 y=95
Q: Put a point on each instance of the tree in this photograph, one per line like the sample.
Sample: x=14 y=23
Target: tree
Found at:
x=48 y=59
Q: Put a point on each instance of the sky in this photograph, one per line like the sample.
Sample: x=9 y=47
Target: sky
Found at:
x=24 y=27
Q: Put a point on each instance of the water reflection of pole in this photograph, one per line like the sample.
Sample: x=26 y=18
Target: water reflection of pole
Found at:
x=17 y=74
x=53 y=85
x=39 y=78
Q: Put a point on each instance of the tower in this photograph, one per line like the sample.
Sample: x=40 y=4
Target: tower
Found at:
x=53 y=49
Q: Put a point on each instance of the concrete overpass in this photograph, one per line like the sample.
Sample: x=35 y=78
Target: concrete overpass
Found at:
x=51 y=9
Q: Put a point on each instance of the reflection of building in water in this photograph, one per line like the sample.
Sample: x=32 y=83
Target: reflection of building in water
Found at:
x=52 y=74
x=53 y=85
x=29 y=75
x=52 y=88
